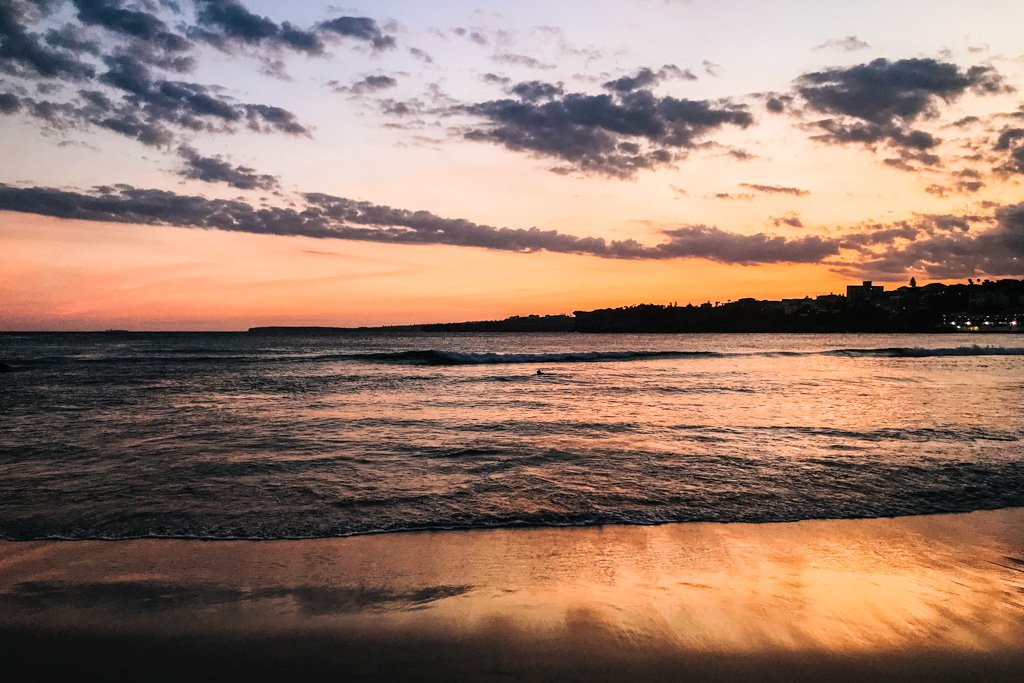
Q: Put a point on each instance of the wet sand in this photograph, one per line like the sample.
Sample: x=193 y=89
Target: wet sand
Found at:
x=921 y=598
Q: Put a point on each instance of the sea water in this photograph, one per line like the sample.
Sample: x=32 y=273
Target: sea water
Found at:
x=239 y=435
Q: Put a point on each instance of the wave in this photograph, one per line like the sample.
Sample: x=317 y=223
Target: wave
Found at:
x=439 y=357
x=498 y=521
x=921 y=352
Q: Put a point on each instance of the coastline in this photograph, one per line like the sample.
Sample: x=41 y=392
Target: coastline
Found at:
x=938 y=597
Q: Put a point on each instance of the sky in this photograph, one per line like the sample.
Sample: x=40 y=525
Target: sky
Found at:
x=220 y=164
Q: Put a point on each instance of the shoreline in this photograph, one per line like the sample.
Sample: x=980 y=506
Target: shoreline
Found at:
x=937 y=597
x=498 y=527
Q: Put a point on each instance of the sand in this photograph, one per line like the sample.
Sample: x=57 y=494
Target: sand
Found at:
x=918 y=598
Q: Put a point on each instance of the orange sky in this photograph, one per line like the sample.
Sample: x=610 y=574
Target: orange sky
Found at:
x=83 y=275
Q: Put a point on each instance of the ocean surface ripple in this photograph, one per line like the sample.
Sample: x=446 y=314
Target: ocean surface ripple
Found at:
x=241 y=436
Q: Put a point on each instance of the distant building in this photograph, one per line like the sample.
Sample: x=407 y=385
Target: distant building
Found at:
x=984 y=322
x=794 y=305
x=864 y=293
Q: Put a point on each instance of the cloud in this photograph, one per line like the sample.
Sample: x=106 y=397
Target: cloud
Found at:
x=421 y=55
x=124 y=61
x=777 y=104
x=741 y=154
x=1011 y=141
x=9 y=103
x=364 y=85
x=216 y=170
x=614 y=134
x=150 y=110
x=25 y=54
x=959 y=187
x=711 y=69
x=114 y=17
x=727 y=247
x=472 y=34
x=521 y=60
x=879 y=102
x=228 y=25
x=362 y=28
x=847 y=44
x=330 y=217
x=776 y=189
x=790 y=219
x=646 y=77
x=496 y=79
x=944 y=246
x=535 y=91
x=947 y=247
x=730 y=197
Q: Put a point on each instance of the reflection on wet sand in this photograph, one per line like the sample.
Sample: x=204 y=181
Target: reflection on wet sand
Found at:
x=941 y=595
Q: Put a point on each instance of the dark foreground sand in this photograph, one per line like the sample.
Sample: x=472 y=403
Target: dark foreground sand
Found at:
x=925 y=598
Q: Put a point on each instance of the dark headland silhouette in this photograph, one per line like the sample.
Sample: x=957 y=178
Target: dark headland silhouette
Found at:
x=984 y=306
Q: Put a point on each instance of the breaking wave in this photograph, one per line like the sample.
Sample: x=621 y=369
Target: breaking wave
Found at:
x=438 y=357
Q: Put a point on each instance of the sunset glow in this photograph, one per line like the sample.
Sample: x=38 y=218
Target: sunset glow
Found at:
x=213 y=165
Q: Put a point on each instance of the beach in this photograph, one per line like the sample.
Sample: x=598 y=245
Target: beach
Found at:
x=937 y=597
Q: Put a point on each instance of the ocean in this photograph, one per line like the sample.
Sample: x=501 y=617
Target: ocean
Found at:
x=247 y=436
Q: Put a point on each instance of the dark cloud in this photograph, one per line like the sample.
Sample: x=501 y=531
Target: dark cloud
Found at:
x=777 y=104
x=421 y=55
x=150 y=109
x=727 y=247
x=69 y=37
x=613 y=134
x=878 y=102
x=959 y=187
x=25 y=54
x=947 y=247
x=940 y=246
x=113 y=16
x=9 y=103
x=495 y=79
x=216 y=170
x=361 y=28
x=119 y=81
x=790 y=219
x=741 y=154
x=227 y=24
x=329 y=217
x=1011 y=141
x=535 y=91
x=847 y=44
x=645 y=78
x=190 y=105
x=364 y=85
x=776 y=189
